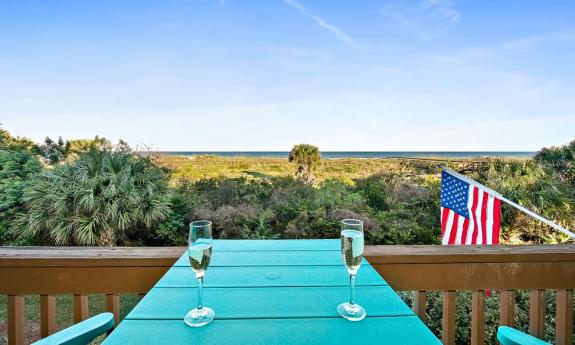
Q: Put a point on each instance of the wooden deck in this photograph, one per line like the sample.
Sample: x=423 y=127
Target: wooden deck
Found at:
x=79 y=271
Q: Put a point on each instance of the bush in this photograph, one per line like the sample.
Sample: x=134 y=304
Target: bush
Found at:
x=281 y=207
x=559 y=161
x=17 y=166
x=101 y=198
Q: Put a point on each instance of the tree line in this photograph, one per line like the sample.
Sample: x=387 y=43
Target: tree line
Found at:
x=93 y=192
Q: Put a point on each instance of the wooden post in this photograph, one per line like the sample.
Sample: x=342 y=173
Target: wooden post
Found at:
x=419 y=304
x=47 y=315
x=16 y=320
x=507 y=308
x=113 y=306
x=448 y=321
x=537 y=313
x=478 y=317
x=564 y=317
x=80 y=308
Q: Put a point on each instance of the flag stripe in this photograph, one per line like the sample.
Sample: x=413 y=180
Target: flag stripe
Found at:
x=489 y=226
x=496 y=220
x=444 y=214
x=459 y=233
x=479 y=231
x=464 y=231
x=448 y=223
x=472 y=221
x=454 y=227
x=484 y=218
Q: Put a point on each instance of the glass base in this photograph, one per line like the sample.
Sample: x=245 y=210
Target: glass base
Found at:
x=351 y=312
x=199 y=317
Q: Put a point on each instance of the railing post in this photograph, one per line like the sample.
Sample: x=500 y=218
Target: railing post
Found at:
x=448 y=321
x=507 y=308
x=537 y=313
x=113 y=306
x=419 y=299
x=47 y=315
x=80 y=308
x=478 y=317
x=16 y=320
x=564 y=317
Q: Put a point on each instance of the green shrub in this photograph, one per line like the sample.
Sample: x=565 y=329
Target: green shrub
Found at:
x=529 y=184
x=560 y=161
x=281 y=207
x=17 y=166
x=101 y=198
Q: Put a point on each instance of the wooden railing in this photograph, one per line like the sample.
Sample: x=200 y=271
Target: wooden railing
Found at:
x=475 y=268
x=77 y=271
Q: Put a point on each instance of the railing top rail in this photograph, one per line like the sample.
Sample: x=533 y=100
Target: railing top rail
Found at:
x=469 y=254
x=162 y=256
x=88 y=256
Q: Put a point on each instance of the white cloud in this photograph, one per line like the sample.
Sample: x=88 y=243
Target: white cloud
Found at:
x=339 y=34
x=427 y=18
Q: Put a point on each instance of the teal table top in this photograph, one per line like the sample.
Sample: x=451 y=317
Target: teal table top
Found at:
x=272 y=292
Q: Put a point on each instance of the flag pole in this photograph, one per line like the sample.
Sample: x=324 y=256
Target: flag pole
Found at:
x=538 y=217
x=519 y=207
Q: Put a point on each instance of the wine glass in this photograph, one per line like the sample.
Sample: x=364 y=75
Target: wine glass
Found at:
x=200 y=253
x=352 y=252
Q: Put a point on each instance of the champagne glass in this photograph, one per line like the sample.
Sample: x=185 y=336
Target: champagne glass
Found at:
x=200 y=253
x=352 y=252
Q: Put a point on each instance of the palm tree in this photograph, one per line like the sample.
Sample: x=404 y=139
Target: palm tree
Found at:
x=96 y=199
x=307 y=158
x=79 y=146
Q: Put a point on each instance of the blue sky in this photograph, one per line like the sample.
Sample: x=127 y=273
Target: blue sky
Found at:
x=264 y=75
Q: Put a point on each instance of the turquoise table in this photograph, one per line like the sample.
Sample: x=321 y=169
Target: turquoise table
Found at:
x=272 y=292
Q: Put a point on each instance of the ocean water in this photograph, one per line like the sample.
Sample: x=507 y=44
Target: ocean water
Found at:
x=361 y=154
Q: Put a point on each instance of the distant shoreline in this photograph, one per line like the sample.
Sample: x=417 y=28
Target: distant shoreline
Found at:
x=359 y=154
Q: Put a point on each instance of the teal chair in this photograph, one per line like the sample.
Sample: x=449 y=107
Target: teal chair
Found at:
x=511 y=336
x=81 y=333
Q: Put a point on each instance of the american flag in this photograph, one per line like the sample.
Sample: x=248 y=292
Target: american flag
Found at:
x=470 y=213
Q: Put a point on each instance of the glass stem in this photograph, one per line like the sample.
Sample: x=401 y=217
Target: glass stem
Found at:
x=200 y=288
x=351 y=288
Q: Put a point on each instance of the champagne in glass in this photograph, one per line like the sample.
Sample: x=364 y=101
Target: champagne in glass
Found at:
x=352 y=249
x=352 y=253
x=200 y=253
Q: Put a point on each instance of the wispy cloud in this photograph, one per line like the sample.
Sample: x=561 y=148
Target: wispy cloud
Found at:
x=534 y=40
x=427 y=18
x=337 y=32
x=501 y=50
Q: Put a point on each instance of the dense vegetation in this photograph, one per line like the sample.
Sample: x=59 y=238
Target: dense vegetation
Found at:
x=17 y=166
x=100 y=198
x=283 y=207
x=86 y=192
